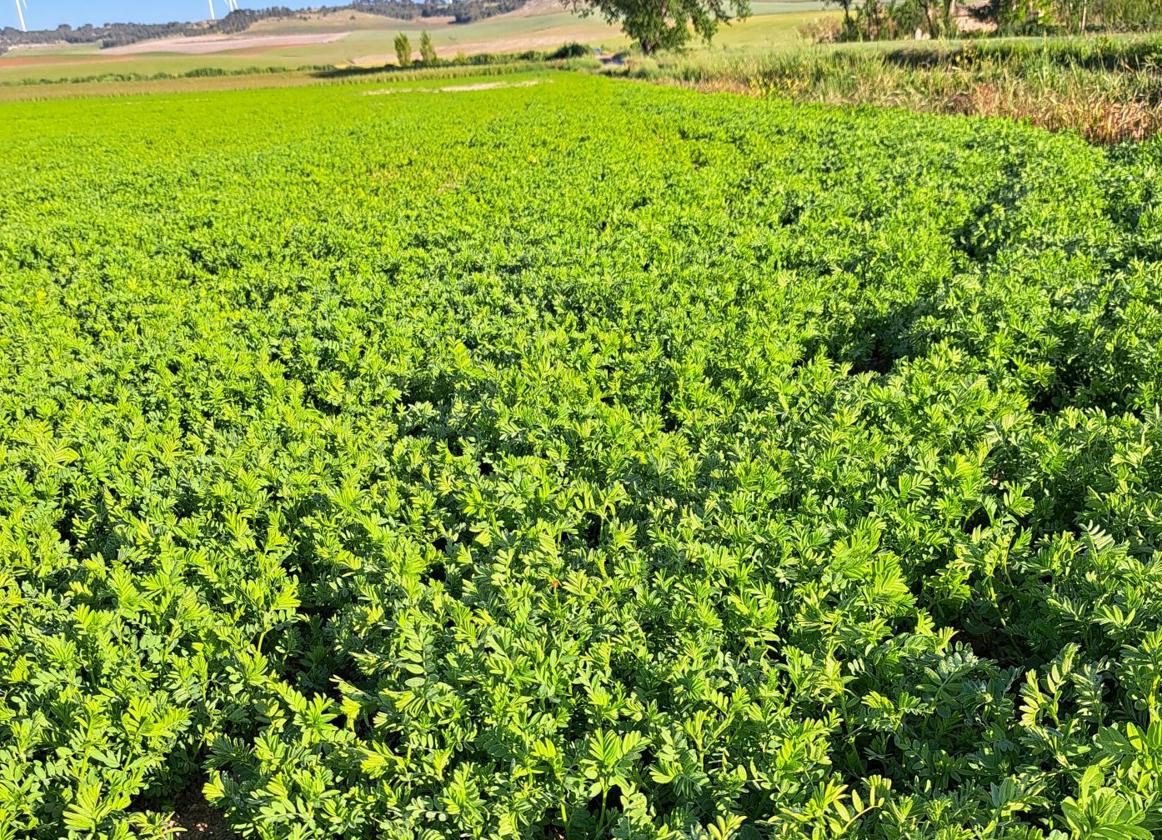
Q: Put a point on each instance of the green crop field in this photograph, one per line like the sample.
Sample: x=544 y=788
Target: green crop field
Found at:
x=575 y=458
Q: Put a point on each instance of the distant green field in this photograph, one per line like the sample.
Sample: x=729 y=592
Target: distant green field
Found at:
x=77 y=62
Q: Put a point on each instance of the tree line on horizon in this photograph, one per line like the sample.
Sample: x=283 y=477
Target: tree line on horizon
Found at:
x=120 y=34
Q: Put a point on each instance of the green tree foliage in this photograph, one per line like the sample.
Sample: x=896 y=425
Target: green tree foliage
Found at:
x=665 y=24
x=403 y=50
x=427 y=49
x=1076 y=15
x=1028 y=16
x=893 y=19
x=1129 y=14
x=438 y=466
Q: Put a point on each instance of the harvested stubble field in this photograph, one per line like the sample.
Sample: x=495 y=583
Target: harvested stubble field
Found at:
x=579 y=459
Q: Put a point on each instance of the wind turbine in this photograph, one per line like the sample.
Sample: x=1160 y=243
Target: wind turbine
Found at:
x=21 y=8
x=211 y=2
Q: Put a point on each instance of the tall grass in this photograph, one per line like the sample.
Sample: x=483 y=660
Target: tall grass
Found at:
x=1107 y=90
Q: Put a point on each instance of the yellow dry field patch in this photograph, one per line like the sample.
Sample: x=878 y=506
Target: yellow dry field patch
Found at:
x=207 y=44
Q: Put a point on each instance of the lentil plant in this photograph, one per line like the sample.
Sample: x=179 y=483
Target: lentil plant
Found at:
x=577 y=459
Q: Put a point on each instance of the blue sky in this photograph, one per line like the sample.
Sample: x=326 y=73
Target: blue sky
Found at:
x=46 y=14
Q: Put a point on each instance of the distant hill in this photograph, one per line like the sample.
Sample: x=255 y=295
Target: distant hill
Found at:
x=121 y=34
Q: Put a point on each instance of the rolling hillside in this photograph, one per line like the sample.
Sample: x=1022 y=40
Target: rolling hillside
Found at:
x=366 y=40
